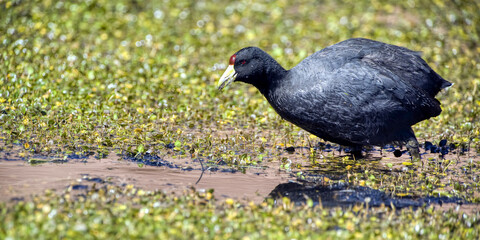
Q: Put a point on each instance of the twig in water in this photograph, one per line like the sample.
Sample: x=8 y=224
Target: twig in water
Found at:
x=203 y=170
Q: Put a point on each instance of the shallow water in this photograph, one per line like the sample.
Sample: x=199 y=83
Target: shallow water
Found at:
x=20 y=180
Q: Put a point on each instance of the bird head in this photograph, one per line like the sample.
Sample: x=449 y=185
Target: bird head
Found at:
x=249 y=65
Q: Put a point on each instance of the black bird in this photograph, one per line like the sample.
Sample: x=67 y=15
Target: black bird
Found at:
x=357 y=92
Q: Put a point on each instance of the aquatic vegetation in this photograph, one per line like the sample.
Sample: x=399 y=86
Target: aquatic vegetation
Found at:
x=138 y=79
x=109 y=211
x=81 y=77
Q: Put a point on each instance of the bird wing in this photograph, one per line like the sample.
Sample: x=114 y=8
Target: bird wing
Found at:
x=404 y=63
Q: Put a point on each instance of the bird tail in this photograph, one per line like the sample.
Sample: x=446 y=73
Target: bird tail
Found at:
x=445 y=84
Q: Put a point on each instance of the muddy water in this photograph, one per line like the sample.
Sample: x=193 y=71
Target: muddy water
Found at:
x=20 y=180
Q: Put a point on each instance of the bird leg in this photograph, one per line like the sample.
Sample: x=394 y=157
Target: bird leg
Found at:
x=356 y=152
x=412 y=146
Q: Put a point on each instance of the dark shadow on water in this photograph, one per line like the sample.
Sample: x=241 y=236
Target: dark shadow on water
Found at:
x=341 y=195
x=442 y=148
x=148 y=159
x=157 y=161
x=79 y=187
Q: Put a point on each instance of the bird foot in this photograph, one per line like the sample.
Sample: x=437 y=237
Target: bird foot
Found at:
x=412 y=146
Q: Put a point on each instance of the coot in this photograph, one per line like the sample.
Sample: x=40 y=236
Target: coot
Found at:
x=357 y=92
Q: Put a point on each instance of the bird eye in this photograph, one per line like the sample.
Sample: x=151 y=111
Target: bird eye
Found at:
x=243 y=62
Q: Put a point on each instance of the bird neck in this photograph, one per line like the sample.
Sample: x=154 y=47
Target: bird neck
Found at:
x=273 y=75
